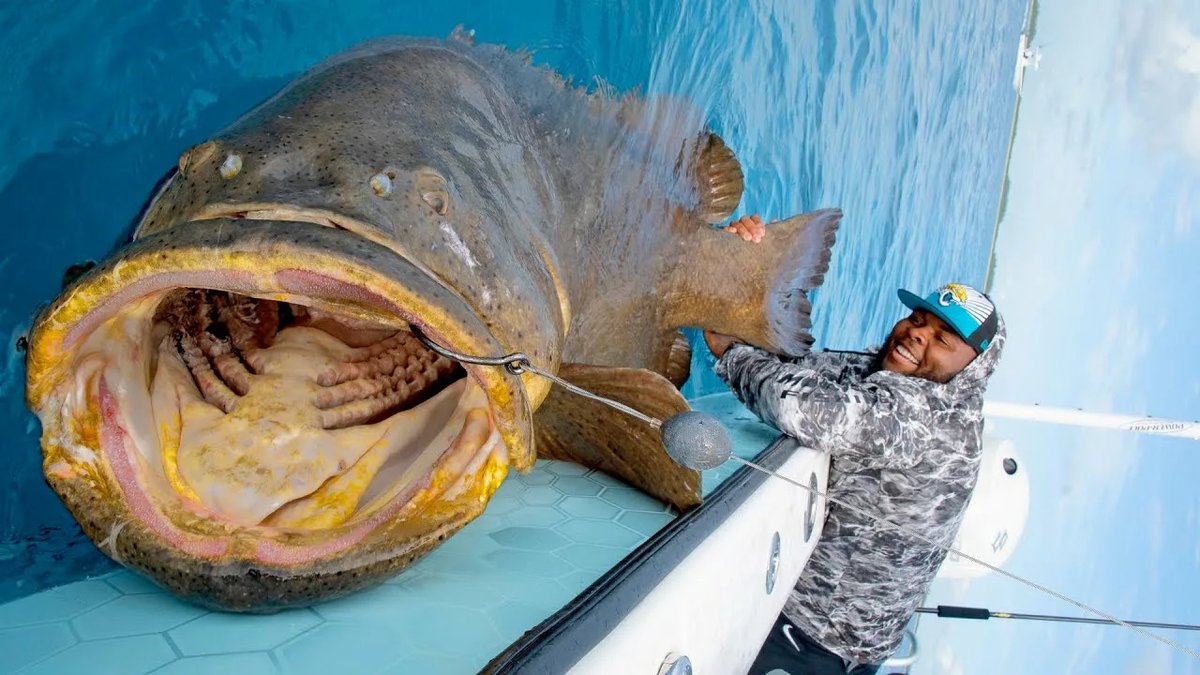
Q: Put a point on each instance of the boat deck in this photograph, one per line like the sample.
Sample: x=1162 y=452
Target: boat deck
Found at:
x=543 y=539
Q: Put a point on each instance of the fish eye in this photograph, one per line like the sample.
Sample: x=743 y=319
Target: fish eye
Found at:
x=433 y=190
x=438 y=200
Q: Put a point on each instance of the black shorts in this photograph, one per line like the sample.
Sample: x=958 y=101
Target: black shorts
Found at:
x=794 y=653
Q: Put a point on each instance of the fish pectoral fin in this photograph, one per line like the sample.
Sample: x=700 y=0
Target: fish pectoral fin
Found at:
x=719 y=178
x=575 y=429
x=757 y=293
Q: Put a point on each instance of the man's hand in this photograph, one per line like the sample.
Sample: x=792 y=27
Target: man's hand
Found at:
x=750 y=228
x=718 y=343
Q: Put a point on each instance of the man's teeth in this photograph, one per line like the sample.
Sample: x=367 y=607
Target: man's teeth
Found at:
x=906 y=354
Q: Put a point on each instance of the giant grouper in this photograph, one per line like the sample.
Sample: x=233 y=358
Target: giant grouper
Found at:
x=233 y=403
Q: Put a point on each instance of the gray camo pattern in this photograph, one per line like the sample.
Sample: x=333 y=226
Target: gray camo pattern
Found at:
x=900 y=446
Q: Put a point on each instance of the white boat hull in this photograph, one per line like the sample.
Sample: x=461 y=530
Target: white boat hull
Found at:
x=714 y=607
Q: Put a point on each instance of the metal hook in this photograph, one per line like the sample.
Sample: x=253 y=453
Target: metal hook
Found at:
x=515 y=363
x=518 y=363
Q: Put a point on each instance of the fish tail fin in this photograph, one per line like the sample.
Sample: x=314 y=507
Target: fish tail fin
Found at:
x=719 y=179
x=755 y=292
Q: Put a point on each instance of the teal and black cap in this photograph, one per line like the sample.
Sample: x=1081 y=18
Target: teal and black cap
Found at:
x=970 y=313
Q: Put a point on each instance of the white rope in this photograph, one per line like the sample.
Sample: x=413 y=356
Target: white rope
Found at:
x=993 y=568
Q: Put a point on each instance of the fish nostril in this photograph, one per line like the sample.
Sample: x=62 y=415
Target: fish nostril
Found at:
x=381 y=183
x=231 y=166
x=195 y=155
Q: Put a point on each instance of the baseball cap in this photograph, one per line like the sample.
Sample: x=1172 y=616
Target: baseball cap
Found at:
x=970 y=313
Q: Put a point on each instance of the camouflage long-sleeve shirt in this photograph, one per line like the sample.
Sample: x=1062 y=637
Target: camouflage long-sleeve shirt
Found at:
x=901 y=447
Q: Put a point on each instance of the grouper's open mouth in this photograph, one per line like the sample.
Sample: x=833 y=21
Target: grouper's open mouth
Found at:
x=251 y=391
x=268 y=413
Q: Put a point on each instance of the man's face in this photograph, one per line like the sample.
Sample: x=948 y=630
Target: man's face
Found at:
x=923 y=345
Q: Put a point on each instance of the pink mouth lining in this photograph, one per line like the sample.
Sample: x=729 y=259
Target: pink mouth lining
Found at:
x=240 y=282
x=113 y=440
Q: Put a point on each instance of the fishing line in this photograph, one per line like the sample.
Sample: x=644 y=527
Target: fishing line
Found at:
x=698 y=441
x=518 y=363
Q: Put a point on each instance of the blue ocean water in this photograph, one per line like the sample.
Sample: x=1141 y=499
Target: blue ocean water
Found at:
x=895 y=112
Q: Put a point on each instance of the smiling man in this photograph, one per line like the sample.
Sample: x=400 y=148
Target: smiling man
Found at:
x=903 y=427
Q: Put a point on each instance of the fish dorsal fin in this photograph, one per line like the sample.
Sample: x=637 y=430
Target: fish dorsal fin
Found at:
x=576 y=429
x=463 y=35
x=703 y=157
x=719 y=179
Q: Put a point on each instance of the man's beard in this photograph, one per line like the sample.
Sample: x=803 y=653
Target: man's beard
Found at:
x=877 y=362
x=888 y=346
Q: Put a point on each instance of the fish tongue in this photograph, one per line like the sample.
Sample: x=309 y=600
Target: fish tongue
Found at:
x=411 y=443
x=245 y=468
x=268 y=450
x=271 y=448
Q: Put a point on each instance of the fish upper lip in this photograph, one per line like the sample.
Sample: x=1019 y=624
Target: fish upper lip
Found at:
x=260 y=211
x=283 y=211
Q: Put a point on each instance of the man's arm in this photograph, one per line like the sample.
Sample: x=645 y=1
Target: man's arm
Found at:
x=862 y=421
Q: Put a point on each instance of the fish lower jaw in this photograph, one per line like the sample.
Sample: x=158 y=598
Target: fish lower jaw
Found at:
x=281 y=447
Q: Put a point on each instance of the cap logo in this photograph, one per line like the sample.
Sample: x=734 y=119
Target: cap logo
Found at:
x=952 y=293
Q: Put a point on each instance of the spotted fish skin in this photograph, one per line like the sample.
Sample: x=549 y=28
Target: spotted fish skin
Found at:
x=456 y=186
